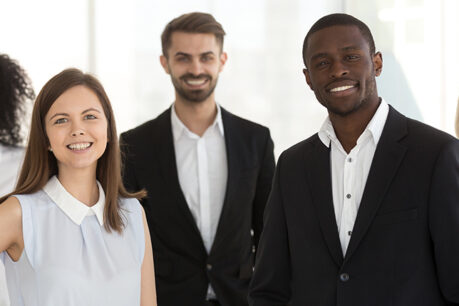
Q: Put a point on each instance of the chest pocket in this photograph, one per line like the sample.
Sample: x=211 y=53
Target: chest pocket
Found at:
x=396 y=217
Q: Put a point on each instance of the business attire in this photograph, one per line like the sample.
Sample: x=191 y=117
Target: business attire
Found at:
x=10 y=164
x=205 y=203
x=378 y=228
x=69 y=258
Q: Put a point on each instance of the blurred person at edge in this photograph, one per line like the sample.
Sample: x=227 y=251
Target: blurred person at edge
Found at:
x=15 y=93
x=207 y=172
x=70 y=234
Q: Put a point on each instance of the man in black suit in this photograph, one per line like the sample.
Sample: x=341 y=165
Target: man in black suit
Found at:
x=207 y=172
x=365 y=212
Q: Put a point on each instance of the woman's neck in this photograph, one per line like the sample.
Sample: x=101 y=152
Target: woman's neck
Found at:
x=81 y=185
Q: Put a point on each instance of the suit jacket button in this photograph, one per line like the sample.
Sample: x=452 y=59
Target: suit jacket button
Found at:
x=344 y=277
x=209 y=267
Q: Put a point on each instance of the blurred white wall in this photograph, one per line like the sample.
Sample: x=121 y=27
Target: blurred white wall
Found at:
x=262 y=81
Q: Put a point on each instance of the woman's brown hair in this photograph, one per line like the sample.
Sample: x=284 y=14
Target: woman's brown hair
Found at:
x=40 y=164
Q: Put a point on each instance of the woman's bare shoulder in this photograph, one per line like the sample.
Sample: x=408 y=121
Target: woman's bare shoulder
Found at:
x=11 y=207
x=11 y=226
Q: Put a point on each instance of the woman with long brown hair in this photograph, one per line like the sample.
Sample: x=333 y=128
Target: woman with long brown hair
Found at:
x=70 y=234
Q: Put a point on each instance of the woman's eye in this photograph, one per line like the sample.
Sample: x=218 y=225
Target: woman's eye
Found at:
x=90 y=117
x=60 y=121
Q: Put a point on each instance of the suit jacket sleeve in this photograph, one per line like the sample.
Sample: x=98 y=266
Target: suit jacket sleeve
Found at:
x=444 y=220
x=263 y=188
x=128 y=169
x=270 y=283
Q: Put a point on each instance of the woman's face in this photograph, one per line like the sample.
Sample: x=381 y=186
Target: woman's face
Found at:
x=76 y=127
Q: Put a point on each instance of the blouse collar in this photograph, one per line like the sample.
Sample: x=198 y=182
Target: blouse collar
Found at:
x=72 y=207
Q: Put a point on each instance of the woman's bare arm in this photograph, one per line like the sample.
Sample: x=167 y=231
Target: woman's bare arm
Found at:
x=148 y=288
x=11 y=239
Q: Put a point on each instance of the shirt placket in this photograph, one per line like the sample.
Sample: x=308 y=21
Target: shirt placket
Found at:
x=204 y=205
x=349 y=207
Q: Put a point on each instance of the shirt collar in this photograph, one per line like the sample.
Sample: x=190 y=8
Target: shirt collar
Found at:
x=326 y=132
x=374 y=127
x=73 y=208
x=178 y=128
x=376 y=124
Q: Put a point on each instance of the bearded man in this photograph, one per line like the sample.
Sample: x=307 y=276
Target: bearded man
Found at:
x=207 y=173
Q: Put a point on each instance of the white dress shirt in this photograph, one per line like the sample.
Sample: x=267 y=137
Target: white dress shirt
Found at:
x=350 y=171
x=69 y=258
x=203 y=173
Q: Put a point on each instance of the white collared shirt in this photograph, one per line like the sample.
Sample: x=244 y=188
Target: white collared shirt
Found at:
x=69 y=258
x=203 y=173
x=350 y=171
x=73 y=208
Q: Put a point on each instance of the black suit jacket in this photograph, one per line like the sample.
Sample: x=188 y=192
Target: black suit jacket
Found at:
x=182 y=266
x=404 y=250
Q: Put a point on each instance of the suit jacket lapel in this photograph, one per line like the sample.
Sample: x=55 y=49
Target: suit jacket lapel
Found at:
x=232 y=146
x=388 y=156
x=169 y=171
x=319 y=178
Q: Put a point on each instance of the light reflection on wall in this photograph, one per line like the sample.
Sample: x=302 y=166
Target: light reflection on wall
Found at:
x=419 y=40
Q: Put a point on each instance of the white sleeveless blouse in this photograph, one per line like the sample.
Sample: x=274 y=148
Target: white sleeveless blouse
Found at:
x=69 y=258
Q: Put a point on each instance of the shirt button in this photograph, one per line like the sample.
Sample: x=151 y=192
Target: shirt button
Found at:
x=349 y=159
x=348 y=196
x=344 y=277
x=209 y=267
x=349 y=233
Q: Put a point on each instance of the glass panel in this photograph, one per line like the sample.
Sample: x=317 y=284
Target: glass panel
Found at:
x=417 y=39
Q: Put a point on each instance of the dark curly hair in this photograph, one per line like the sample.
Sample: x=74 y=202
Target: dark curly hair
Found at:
x=15 y=92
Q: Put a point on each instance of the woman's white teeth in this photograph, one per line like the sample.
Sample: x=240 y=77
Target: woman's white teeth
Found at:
x=79 y=146
x=196 y=82
x=341 y=88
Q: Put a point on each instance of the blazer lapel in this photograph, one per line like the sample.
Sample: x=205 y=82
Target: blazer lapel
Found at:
x=169 y=172
x=232 y=145
x=319 y=178
x=388 y=156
